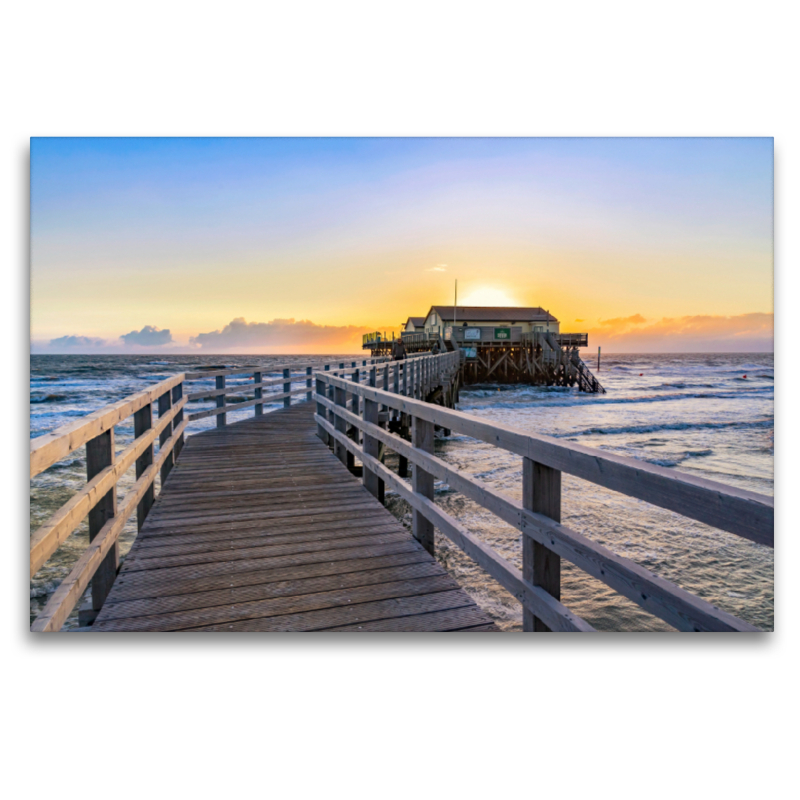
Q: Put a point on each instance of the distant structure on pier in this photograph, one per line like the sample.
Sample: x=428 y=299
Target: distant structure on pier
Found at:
x=498 y=345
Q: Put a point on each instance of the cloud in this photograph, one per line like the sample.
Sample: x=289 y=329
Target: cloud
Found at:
x=239 y=333
x=752 y=332
x=69 y=342
x=149 y=336
x=636 y=319
x=437 y=268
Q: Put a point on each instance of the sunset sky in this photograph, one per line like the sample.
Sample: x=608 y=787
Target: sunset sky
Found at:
x=301 y=245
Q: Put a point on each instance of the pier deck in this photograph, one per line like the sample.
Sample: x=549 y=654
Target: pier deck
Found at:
x=259 y=527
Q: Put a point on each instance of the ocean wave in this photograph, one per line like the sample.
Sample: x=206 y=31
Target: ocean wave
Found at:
x=531 y=400
x=669 y=426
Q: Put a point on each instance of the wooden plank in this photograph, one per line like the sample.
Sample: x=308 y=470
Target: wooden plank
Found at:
x=143 y=585
x=279 y=606
x=295 y=586
x=408 y=610
x=223 y=409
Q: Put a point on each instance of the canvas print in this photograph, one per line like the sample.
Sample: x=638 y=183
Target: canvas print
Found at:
x=401 y=385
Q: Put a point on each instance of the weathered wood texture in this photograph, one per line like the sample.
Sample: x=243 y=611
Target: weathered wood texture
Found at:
x=261 y=528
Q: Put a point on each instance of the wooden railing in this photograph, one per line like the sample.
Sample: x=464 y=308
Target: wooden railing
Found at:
x=348 y=417
x=107 y=514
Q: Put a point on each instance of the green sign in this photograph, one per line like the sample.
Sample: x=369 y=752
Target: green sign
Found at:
x=502 y=333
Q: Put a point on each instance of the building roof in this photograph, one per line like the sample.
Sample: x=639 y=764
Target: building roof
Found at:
x=491 y=313
x=417 y=322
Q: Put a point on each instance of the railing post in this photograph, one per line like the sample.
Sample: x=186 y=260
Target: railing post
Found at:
x=99 y=455
x=356 y=400
x=221 y=402
x=331 y=416
x=308 y=384
x=259 y=394
x=143 y=421
x=321 y=432
x=340 y=424
x=541 y=492
x=372 y=482
x=164 y=405
x=177 y=394
x=287 y=387
x=422 y=482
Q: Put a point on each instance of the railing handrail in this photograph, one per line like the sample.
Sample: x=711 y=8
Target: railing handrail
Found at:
x=656 y=595
x=52 y=447
x=169 y=427
x=49 y=448
x=749 y=514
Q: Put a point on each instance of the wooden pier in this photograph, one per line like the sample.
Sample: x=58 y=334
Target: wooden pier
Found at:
x=261 y=528
x=262 y=524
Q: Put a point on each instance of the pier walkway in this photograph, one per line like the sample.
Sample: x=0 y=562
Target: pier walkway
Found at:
x=277 y=523
x=259 y=527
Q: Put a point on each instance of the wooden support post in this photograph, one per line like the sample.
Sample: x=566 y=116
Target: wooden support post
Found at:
x=331 y=417
x=287 y=387
x=372 y=482
x=221 y=402
x=541 y=492
x=422 y=482
x=143 y=421
x=259 y=393
x=339 y=423
x=177 y=394
x=405 y=378
x=321 y=432
x=308 y=384
x=356 y=379
x=164 y=405
x=402 y=468
x=99 y=455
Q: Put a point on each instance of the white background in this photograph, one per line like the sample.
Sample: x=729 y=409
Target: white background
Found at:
x=607 y=716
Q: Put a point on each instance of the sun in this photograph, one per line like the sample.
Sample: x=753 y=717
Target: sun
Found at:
x=487 y=296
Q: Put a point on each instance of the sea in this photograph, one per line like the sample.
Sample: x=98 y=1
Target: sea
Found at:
x=709 y=415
